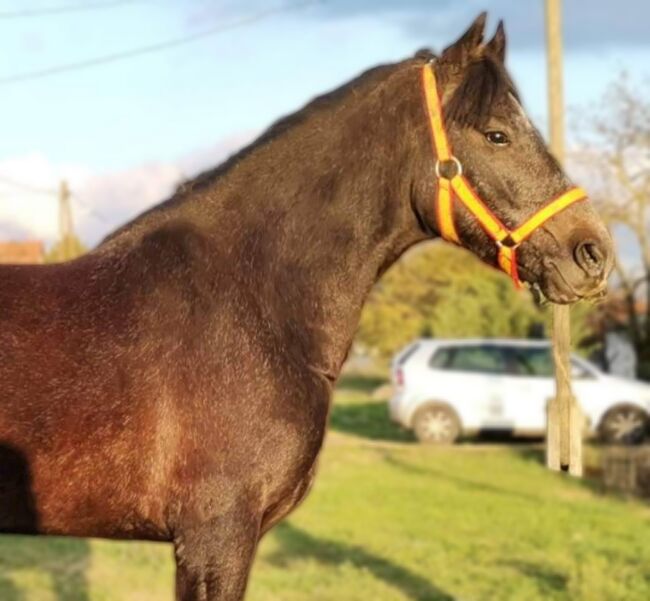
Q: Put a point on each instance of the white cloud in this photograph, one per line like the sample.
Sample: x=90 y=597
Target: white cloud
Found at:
x=107 y=201
x=101 y=202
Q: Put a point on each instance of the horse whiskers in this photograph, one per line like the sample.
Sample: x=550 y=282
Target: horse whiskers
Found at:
x=597 y=297
x=538 y=296
x=541 y=300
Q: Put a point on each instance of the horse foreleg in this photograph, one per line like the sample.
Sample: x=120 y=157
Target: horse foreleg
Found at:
x=213 y=558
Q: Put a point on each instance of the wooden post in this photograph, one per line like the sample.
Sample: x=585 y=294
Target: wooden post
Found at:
x=564 y=418
x=66 y=227
x=554 y=74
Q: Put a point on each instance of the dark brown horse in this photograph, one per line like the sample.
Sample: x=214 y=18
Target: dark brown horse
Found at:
x=174 y=384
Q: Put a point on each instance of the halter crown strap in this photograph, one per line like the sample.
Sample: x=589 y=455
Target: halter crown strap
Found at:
x=455 y=183
x=444 y=206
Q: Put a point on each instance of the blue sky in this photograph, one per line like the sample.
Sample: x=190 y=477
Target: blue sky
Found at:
x=207 y=97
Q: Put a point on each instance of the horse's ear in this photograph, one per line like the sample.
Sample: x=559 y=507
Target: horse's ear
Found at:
x=497 y=45
x=461 y=50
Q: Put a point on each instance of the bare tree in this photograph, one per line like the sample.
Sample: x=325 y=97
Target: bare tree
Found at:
x=616 y=156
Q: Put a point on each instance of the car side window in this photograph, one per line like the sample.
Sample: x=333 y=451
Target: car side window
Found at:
x=485 y=359
x=530 y=362
x=441 y=358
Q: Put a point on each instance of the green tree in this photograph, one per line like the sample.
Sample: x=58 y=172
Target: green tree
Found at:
x=443 y=291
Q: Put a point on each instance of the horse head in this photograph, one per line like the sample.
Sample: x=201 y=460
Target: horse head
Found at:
x=510 y=176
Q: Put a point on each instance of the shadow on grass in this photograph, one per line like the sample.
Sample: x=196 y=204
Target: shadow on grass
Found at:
x=592 y=479
x=359 y=383
x=297 y=544
x=518 y=442
x=549 y=581
x=533 y=454
x=589 y=482
x=64 y=560
x=8 y=591
x=368 y=420
x=465 y=483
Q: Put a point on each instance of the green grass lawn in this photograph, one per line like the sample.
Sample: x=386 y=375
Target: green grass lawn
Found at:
x=390 y=520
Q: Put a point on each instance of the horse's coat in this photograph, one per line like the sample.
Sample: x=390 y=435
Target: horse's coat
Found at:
x=174 y=384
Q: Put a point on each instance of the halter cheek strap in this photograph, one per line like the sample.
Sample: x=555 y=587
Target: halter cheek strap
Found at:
x=453 y=184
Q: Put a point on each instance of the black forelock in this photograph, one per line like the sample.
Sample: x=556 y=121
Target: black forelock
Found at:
x=485 y=82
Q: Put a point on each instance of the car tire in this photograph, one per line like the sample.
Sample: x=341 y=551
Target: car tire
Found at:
x=624 y=424
x=436 y=424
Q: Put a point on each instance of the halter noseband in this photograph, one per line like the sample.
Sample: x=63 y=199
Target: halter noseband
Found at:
x=452 y=182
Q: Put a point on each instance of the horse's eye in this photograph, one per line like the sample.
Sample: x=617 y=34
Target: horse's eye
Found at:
x=498 y=138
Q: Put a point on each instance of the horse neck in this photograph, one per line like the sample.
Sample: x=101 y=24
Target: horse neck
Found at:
x=308 y=219
x=332 y=211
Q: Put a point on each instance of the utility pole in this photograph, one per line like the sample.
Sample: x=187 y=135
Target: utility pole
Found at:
x=564 y=418
x=554 y=74
x=66 y=225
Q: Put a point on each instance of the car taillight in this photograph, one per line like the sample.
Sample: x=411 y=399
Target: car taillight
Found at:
x=399 y=377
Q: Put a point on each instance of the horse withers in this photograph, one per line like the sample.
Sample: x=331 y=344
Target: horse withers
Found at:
x=174 y=384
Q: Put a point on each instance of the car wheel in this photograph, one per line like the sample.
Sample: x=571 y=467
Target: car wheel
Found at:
x=624 y=424
x=436 y=424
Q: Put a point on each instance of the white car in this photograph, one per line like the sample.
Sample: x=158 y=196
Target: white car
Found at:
x=448 y=388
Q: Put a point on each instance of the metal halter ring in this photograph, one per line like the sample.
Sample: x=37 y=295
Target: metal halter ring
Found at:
x=448 y=169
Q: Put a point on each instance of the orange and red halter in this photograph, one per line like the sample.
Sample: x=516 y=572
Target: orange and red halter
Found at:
x=456 y=184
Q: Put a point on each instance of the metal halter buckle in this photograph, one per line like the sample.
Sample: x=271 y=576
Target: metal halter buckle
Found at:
x=448 y=169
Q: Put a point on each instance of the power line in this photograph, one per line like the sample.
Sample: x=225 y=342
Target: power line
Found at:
x=28 y=187
x=152 y=48
x=90 y=210
x=65 y=8
x=54 y=192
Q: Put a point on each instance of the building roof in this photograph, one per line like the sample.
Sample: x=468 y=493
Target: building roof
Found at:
x=31 y=251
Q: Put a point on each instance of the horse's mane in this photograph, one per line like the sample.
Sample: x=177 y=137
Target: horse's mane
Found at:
x=484 y=83
x=284 y=124
x=275 y=131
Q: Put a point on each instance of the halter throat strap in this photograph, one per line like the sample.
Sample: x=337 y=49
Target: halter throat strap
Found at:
x=453 y=184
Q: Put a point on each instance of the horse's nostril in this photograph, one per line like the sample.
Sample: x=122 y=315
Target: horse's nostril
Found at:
x=590 y=257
